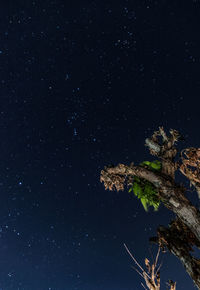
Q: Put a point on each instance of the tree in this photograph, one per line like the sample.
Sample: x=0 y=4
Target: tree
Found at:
x=154 y=183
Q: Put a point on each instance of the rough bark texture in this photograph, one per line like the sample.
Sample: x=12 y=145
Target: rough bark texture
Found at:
x=171 y=194
x=190 y=166
x=166 y=151
x=179 y=240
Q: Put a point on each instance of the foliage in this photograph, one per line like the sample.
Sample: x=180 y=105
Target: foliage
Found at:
x=145 y=190
x=152 y=165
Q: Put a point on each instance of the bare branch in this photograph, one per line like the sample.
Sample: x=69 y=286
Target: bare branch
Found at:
x=156 y=261
x=136 y=262
x=143 y=286
x=137 y=271
x=152 y=280
x=153 y=146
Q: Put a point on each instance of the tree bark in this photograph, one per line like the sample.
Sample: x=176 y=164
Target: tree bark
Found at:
x=179 y=240
x=171 y=194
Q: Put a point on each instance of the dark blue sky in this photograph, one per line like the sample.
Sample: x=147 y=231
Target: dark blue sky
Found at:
x=82 y=84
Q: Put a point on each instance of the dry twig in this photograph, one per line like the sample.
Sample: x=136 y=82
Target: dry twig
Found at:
x=152 y=275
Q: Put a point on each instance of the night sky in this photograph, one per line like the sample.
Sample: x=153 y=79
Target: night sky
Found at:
x=82 y=84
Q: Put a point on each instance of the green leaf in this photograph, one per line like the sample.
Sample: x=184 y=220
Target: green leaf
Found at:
x=144 y=203
x=156 y=165
x=137 y=189
x=145 y=190
x=148 y=163
x=148 y=190
x=137 y=179
x=156 y=206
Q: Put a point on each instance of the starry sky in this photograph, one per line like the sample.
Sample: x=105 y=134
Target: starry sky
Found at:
x=82 y=84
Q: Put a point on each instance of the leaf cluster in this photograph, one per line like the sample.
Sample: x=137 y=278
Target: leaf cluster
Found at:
x=155 y=165
x=145 y=190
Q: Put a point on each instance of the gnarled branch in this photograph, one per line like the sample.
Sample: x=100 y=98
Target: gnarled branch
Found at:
x=165 y=150
x=171 y=195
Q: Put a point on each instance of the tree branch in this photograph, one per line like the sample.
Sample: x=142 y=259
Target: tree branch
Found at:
x=151 y=278
x=179 y=240
x=171 y=195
